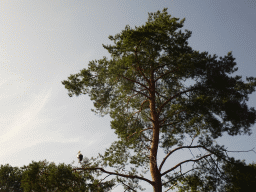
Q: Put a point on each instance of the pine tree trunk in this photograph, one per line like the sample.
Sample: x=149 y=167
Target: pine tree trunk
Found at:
x=155 y=174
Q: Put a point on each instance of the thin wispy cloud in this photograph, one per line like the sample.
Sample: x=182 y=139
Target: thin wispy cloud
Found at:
x=26 y=116
x=4 y=56
x=43 y=42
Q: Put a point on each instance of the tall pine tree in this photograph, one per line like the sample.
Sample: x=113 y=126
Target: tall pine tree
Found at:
x=143 y=90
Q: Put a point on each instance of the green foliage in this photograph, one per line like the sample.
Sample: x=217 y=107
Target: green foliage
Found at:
x=143 y=90
x=10 y=178
x=240 y=177
x=235 y=176
x=39 y=176
x=42 y=176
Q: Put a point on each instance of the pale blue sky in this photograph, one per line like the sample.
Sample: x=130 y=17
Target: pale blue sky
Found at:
x=44 y=41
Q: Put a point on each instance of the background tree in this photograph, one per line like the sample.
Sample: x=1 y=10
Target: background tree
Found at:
x=10 y=178
x=42 y=176
x=240 y=177
x=143 y=89
x=236 y=177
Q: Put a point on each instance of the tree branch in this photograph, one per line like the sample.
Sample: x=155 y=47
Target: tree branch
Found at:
x=143 y=104
x=139 y=132
x=182 y=147
x=179 y=176
x=140 y=70
x=126 y=185
x=118 y=174
x=193 y=139
x=102 y=180
x=131 y=97
x=140 y=93
x=160 y=95
x=242 y=151
x=170 y=123
x=196 y=147
x=135 y=82
x=146 y=138
x=168 y=100
x=171 y=187
x=184 y=162
x=160 y=66
x=164 y=119
x=165 y=74
x=139 y=110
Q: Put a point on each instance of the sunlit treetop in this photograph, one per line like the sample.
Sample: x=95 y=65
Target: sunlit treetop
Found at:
x=144 y=88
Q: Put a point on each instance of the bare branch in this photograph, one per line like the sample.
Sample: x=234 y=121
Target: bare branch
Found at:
x=118 y=174
x=184 y=162
x=193 y=139
x=182 y=147
x=217 y=167
x=243 y=151
x=178 y=177
x=196 y=147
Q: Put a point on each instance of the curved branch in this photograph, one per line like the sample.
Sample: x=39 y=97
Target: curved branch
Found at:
x=182 y=147
x=143 y=104
x=184 y=162
x=179 y=176
x=118 y=174
x=197 y=147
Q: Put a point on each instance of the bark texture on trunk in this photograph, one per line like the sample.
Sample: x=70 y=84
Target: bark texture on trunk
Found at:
x=155 y=174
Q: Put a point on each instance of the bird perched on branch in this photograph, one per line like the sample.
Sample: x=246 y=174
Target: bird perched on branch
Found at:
x=79 y=156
